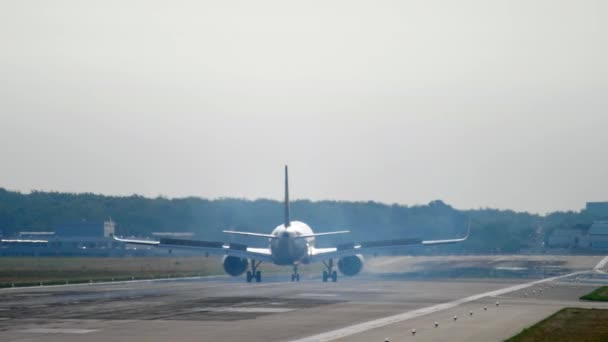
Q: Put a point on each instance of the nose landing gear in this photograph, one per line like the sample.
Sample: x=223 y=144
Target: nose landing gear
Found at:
x=295 y=276
x=330 y=273
x=254 y=273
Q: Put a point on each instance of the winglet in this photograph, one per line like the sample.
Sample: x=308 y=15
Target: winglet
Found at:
x=436 y=242
x=468 y=229
x=287 y=221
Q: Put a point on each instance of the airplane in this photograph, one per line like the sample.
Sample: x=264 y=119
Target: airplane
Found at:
x=290 y=244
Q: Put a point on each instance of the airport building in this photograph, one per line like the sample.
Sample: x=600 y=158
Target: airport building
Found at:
x=81 y=239
x=592 y=236
x=597 y=208
x=597 y=237
x=568 y=237
x=582 y=236
x=77 y=238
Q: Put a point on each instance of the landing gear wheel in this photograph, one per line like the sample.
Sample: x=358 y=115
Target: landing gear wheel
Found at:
x=329 y=271
x=254 y=273
x=295 y=276
x=258 y=276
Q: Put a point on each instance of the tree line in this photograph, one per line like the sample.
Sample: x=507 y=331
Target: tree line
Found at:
x=492 y=230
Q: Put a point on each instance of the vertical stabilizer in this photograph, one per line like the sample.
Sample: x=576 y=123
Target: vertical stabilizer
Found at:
x=287 y=221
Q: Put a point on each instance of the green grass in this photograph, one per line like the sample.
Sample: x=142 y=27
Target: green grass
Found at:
x=31 y=271
x=569 y=324
x=28 y=271
x=600 y=295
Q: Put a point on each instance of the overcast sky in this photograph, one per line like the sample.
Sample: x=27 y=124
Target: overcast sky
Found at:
x=479 y=103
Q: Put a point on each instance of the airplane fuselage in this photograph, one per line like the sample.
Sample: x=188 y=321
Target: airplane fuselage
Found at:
x=287 y=248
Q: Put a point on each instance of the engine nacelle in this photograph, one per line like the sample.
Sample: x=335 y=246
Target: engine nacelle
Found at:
x=350 y=265
x=234 y=266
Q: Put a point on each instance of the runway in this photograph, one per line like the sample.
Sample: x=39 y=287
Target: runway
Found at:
x=393 y=296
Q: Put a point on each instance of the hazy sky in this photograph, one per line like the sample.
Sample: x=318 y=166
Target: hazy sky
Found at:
x=478 y=103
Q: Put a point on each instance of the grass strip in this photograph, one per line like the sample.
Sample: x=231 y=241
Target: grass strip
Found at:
x=568 y=324
x=32 y=271
x=94 y=280
x=600 y=295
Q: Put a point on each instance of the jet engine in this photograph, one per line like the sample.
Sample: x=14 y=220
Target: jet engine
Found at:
x=350 y=265
x=234 y=266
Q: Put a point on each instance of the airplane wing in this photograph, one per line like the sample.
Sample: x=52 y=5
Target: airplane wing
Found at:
x=377 y=248
x=22 y=241
x=268 y=236
x=322 y=234
x=209 y=247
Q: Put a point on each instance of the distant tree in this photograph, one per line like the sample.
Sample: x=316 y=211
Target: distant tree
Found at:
x=492 y=230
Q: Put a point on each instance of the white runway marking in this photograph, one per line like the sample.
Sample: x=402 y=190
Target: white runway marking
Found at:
x=511 y=268
x=600 y=265
x=57 y=331
x=377 y=323
x=242 y=310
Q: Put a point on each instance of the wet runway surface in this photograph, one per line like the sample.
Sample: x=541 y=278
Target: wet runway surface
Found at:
x=228 y=309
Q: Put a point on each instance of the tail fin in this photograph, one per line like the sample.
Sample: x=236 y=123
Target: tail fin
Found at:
x=287 y=222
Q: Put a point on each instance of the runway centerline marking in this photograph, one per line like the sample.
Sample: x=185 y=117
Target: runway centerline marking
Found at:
x=381 y=322
x=242 y=310
x=57 y=331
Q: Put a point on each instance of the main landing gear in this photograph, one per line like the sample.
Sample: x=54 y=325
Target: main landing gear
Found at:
x=330 y=273
x=254 y=273
x=295 y=276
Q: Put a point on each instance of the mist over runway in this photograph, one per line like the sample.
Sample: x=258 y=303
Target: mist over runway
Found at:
x=227 y=309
